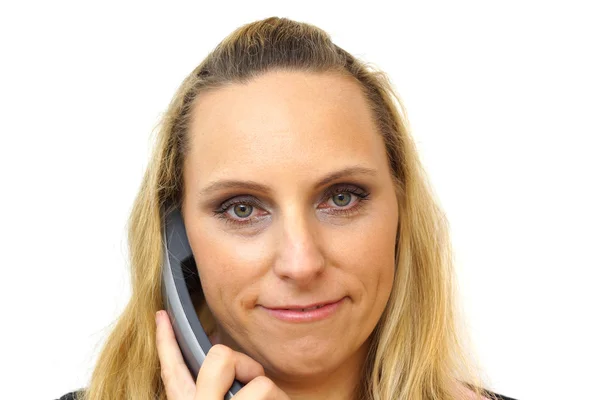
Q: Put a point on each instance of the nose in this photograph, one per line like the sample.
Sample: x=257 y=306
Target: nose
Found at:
x=300 y=260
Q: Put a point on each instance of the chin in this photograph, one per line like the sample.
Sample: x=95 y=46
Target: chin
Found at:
x=300 y=367
x=302 y=359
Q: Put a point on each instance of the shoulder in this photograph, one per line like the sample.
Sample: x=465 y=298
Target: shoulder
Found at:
x=468 y=393
x=72 y=395
x=491 y=395
x=68 y=396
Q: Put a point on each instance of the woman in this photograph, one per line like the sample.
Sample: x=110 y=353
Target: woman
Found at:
x=300 y=186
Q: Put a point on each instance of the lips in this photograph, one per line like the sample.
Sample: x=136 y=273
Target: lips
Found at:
x=305 y=313
x=307 y=307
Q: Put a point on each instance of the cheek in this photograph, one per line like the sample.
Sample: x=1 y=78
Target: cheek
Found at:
x=370 y=246
x=370 y=255
x=228 y=269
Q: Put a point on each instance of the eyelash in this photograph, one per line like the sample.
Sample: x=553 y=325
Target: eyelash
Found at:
x=361 y=195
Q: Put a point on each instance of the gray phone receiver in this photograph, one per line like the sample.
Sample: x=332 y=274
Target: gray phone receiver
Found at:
x=179 y=268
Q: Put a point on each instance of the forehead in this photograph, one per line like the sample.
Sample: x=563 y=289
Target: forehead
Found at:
x=294 y=122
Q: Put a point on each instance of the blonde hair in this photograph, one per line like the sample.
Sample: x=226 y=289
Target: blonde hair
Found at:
x=416 y=351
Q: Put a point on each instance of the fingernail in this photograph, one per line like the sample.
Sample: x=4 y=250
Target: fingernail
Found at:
x=157 y=317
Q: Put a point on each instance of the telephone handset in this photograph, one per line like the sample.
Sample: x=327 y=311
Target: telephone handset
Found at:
x=179 y=278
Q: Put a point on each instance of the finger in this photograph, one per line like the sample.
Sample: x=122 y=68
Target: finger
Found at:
x=178 y=382
x=261 y=388
x=246 y=368
x=220 y=367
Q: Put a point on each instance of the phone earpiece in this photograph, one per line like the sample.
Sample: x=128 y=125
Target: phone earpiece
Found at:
x=179 y=279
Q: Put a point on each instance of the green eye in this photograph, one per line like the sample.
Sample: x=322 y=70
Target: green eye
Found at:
x=343 y=198
x=242 y=210
x=243 y=207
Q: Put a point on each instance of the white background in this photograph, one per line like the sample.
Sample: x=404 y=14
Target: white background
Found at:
x=504 y=100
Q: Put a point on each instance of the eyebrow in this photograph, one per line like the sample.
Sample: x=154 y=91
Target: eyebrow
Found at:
x=251 y=185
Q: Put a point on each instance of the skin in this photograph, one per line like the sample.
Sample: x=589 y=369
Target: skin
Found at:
x=286 y=131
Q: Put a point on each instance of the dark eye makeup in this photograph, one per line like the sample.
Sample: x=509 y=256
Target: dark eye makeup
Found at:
x=251 y=203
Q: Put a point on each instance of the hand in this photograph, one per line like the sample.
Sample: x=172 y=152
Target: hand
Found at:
x=220 y=367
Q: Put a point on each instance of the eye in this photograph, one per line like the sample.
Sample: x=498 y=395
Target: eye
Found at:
x=343 y=195
x=239 y=210
x=242 y=210
x=343 y=198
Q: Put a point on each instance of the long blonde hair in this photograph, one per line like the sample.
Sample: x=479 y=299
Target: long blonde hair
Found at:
x=416 y=351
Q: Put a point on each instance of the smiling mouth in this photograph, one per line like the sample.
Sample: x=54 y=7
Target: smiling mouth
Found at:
x=305 y=313
x=304 y=309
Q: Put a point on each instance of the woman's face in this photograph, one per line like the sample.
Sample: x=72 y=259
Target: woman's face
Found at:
x=289 y=203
